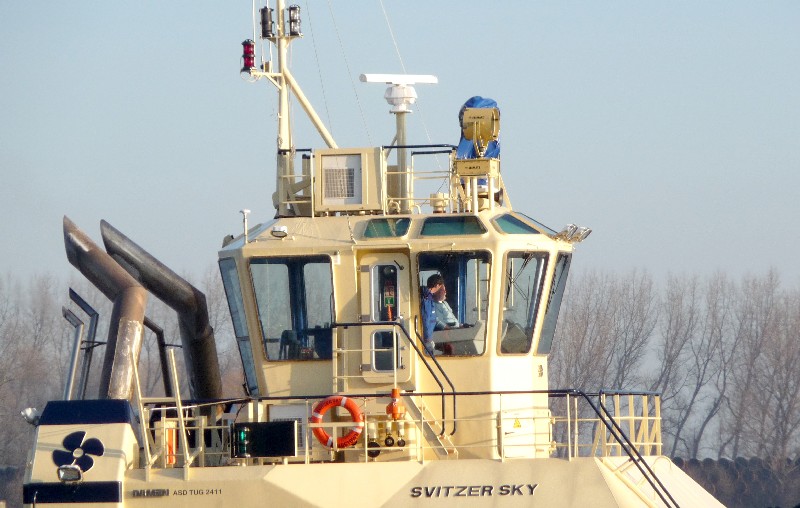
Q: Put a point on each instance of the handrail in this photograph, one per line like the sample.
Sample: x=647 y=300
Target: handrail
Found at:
x=422 y=357
x=633 y=453
x=446 y=377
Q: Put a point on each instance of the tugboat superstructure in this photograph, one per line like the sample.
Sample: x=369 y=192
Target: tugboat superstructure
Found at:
x=394 y=322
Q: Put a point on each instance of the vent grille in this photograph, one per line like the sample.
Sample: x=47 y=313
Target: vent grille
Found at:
x=340 y=183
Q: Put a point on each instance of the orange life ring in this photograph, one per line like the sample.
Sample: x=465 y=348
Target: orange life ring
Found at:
x=355 y=413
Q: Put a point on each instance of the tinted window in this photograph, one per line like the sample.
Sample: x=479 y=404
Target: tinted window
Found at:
x=382 y=228
x=514 y=226
x=445 y=226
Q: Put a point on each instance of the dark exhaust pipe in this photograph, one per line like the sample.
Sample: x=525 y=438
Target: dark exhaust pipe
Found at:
x=126 y=327
x=197 y=336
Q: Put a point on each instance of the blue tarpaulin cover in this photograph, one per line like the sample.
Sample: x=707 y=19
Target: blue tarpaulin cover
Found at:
x=466 y=148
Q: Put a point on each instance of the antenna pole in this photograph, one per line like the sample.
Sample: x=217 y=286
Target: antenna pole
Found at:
x=400 y=95
x=402 y=162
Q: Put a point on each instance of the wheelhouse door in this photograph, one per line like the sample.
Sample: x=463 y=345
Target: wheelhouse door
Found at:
x=385 y=303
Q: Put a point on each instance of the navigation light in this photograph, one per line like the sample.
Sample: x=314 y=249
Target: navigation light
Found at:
x=294 y=20
x=267 y=24
x=248 y=55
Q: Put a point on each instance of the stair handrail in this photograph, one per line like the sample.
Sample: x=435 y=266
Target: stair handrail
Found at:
x=403 y=329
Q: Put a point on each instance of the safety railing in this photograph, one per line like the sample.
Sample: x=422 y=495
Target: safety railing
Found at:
x=177 y=433
x=424 y=183
x=575 y=424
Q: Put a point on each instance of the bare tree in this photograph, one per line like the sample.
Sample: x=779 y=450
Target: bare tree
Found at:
x=635 y=318
x=680 y=316
x=754 y=322
x=607 y=321
x=582 y=353
x=777 y=381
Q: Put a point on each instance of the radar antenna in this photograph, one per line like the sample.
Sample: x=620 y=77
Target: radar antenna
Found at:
x=400 y=95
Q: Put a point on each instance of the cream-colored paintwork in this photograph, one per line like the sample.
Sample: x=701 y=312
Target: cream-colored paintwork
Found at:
x=342 y=239
x=121 y=452
x=555 y=482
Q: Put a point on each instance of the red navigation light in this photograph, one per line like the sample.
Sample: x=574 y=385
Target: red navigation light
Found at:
x=248 y=55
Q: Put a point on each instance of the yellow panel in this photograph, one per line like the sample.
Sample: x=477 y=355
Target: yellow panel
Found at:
x=478 y=167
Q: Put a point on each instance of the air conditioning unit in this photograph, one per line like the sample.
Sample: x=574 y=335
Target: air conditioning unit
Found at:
x=348 y=180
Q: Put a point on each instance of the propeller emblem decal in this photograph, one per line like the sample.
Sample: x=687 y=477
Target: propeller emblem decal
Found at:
x=78 y=451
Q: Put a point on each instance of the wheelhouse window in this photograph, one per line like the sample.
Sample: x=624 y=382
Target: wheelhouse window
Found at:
x=513 y=225
x=523 y=284
x=233 y=292
x=294 y=297
x=384 y=228
x=461 y=310
x=554 y=303
x=452 y=225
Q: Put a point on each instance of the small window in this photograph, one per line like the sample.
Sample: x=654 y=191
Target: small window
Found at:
x=383 y=228
x=458 y=225
x=384 y=293
x=383 y=343
x=514 y=226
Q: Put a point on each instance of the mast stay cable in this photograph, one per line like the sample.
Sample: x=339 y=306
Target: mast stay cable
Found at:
x=350 y=73
x=403 y=67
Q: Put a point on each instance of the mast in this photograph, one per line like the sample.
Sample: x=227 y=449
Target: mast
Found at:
x=285 y=168
x=286 y=29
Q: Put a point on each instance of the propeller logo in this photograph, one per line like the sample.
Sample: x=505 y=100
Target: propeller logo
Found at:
x=77 y=451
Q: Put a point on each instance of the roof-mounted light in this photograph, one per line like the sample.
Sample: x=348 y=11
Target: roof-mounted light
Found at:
x=279 y=231
x=573 y=234
x=481 y=126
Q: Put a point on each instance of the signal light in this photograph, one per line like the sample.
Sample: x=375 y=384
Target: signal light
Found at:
x=241 y=445
x=267 y=24
x=294 y=20
x=248 y=55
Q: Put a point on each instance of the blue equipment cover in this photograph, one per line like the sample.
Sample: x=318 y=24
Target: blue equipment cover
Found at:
x=466 y=148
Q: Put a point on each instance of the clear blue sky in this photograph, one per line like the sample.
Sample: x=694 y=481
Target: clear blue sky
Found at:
x=670 y=128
